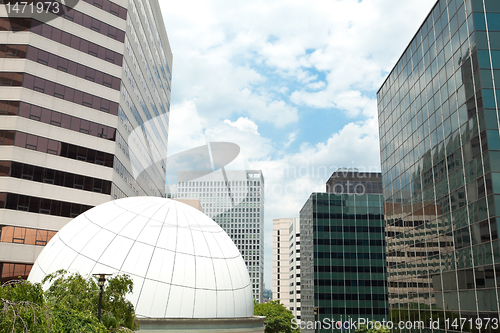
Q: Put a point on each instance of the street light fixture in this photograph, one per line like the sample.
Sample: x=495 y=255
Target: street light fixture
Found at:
x=100 y=283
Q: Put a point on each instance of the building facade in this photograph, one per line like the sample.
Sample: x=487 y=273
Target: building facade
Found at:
x=342 y=256
x=281 y=258
x=235 y=200
x=440 y=153
x=294 y=270
x=84 y=109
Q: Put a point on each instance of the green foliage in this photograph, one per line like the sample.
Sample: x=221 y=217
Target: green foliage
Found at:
x=278 y=318
x=23 y=309
x=72 y=293
x=69 y=305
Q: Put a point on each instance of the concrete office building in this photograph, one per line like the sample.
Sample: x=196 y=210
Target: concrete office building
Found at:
x=342 y=253
x=440 y=152
x=235 y=200
x=281 y=284
x=281 y=259
x=294 y=271
x=84 y=108
x=286 y=263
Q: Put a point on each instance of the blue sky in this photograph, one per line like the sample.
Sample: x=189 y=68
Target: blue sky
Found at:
x=292 y=82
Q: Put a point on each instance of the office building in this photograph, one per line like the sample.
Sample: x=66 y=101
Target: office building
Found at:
x=281 y=257
x=440 y=153
x=286 y=263
x=294 y=271
x=235 y=200
x=84 y=109
x=342 y=254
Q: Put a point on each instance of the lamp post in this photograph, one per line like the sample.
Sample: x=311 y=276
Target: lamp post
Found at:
x=100 y=283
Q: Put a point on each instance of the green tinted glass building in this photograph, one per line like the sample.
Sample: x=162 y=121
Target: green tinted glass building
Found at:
x=343 y=266
x=440 y=153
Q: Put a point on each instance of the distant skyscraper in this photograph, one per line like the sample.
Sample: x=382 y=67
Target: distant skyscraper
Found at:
x=84 y=107
x=342 y=253
x=440 y=152
x=235 y=200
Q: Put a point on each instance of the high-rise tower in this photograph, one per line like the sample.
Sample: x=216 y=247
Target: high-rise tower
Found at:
x=235 y=200
x=440 y=152
x=84 y=109
x=342 y=252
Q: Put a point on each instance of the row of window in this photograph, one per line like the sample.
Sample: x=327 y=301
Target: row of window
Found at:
x=220 y=183
x=55 y=118
x=347 y=216
x=10 y=271
x=20 y=235
x=69 y=94
x=349 y=269
x=109 y=7
x=352 y=297
x=49 y=146
x=93 y=24
x=47 y=31
x=37 y=205
x=64 y=65
x=339 y=228
x=8 y=79
x=347 y=242
x=382 y=310
x=55 y=177
x=349 y=283
x=347 y=255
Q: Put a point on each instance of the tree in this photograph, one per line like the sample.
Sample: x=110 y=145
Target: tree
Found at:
x=278 y=318
x=23 y=309
x=69 y=305
x=370 y=328
x=72 y=296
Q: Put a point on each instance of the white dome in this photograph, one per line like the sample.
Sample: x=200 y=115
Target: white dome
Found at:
x=182 y=263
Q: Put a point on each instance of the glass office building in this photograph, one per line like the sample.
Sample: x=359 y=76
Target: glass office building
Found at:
x=342 y=265
x=84 y=116
x=440 y=152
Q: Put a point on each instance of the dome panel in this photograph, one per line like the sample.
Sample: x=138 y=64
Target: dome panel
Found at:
x=134 y=228
x=149 y=234
x=153 y=302
x=162 y=265
x=225 y=304
x=135 y=261
x=222 y=276
x=200 y=244
x=77 y=242
x=215 y=250
x=182 y=263
x=116 y=252
x=186 y=246
x=184 y=269
x=205 y=276
x=168 y=237
x=205 y=304
x=96 y=246
x=66 y=235
x=119 y=222
x=161 y=215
